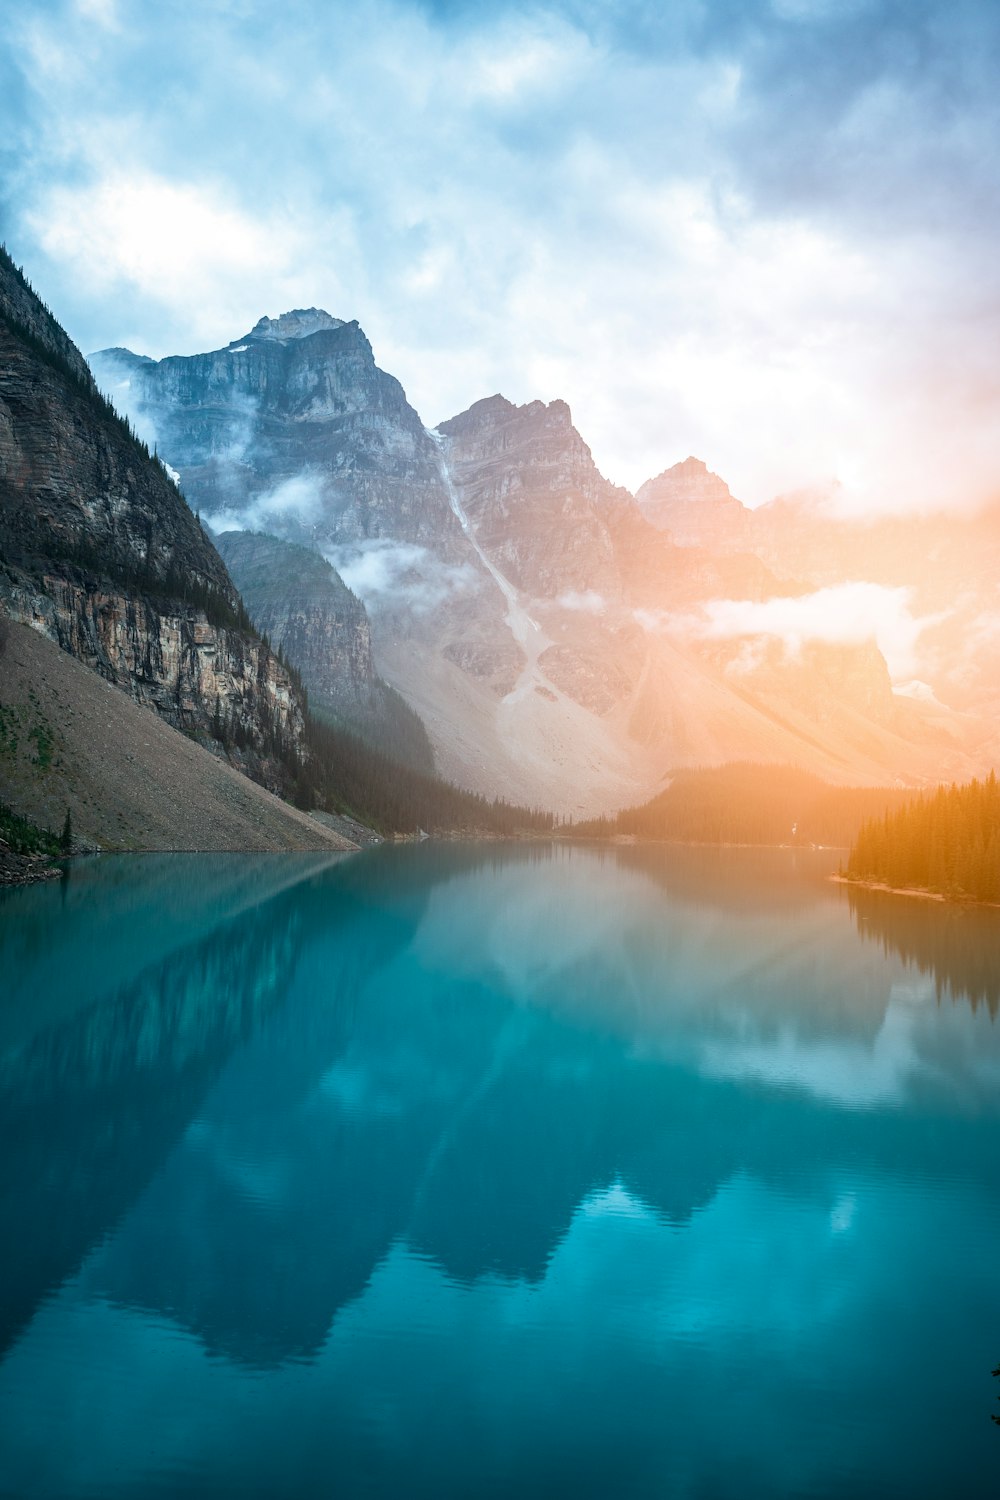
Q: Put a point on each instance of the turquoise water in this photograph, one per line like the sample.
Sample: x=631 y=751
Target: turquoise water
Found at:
x=445 y=1171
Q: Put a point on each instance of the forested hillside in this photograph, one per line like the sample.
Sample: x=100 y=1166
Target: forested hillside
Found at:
x=744 y=803
x=345 y=774
x=948 y=843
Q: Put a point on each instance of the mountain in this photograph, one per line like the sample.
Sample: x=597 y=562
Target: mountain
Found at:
x=100 y=552
x=306 y=611
x=695 y=507
x=294 y=425
x=947 y=563
x=548 y=627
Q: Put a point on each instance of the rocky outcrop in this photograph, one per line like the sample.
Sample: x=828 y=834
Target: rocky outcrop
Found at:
x=300 y=603
x=307 y=612
x=99 y=551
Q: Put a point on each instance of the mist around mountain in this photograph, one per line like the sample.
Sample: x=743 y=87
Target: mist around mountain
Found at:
x=565 y=643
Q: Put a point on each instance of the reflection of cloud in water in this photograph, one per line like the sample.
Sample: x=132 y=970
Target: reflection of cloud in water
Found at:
x=850 y=1072
x=788 y=998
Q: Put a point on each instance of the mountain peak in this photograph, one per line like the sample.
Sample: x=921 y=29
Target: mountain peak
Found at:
x=694 y=505
x=297 y=324
x=689 y=482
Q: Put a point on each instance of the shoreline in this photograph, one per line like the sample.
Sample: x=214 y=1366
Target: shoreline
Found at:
x=914 y=892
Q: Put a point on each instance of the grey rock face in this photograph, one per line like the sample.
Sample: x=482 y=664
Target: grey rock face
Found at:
x=294 y=325
x=307 y=612
x=292 y=429
x=297 y=599
x=536 y=499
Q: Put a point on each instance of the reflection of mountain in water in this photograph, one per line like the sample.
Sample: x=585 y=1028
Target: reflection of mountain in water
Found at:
x=92 y=1105
x=452 y=1049
x=956 y=945
x=452 y=1070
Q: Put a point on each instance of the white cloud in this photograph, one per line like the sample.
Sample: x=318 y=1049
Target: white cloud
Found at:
x=848 y=614
x=382 y=571
x=180 y=244
x=588 y=603
x=103 y=12
x=297 y=502
x=501 y=199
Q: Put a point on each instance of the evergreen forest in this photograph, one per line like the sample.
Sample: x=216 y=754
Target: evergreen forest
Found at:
x=947 y=842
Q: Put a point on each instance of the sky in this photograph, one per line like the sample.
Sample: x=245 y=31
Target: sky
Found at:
x=759 y=231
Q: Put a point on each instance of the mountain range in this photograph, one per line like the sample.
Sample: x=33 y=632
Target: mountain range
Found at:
x=267 y=547
x=564 y=642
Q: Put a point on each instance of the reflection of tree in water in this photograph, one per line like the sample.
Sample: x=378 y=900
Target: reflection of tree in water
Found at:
x=955 y=944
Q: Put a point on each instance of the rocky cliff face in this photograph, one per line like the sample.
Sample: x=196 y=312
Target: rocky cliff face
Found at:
x=99 y=551
x=297 y=600
x=534 y=496
x=294 y=426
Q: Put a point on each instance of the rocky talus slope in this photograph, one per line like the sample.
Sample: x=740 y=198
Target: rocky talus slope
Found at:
x=69 y=740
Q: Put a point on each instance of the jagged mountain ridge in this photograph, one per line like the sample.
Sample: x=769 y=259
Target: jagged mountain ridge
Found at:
x=298 y=395
x=528 y=609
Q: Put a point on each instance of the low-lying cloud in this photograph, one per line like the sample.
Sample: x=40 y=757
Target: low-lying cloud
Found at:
x=587 y=603
x=848 y=614
x=295 y=503
x=383 y=571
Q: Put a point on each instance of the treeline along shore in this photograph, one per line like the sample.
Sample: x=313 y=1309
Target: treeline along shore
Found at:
x=945 y=843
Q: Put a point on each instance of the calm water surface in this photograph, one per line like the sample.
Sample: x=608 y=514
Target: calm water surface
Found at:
x=444 y=1171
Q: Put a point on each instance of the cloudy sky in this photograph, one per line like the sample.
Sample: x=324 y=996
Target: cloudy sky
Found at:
x=761 y=231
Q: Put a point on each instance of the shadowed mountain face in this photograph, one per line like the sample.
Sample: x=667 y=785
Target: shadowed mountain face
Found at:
x=559 y=640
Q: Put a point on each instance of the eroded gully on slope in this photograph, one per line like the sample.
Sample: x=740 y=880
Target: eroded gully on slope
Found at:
x=527 y=632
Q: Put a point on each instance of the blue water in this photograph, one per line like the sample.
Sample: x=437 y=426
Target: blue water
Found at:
x=446 y=1171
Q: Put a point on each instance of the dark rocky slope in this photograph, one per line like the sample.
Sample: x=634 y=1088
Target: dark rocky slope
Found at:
x=307 y=612
x=100 y=552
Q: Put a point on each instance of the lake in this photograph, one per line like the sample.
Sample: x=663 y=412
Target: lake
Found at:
x=496 y=1171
